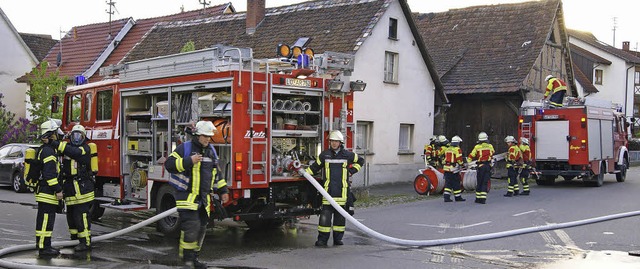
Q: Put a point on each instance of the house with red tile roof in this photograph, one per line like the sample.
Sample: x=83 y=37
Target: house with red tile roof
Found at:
x=394 y=116
x=491 y=58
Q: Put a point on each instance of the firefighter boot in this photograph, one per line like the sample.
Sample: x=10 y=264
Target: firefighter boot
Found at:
x=48 y=252
x=447 y=198
x=460 y=199
x=516 y=193
x=509 y=194
x=323 y=237
x=525 y=193
x=337 y=238
x=82 y=246
x=190 y=258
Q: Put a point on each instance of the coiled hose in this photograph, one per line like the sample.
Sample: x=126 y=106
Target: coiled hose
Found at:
x=457 y=240
x=9 y=250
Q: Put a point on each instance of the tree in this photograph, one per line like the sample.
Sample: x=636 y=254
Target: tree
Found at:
x=43 y=87
x=189 y=46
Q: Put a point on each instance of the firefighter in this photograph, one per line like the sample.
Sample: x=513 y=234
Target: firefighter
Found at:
x=514 y=157
x=453 y=161
x=193 y=201
x=525 y=169
x=557 y=88
x=430 y=150
x=78 y=184
x=443 y=143
x=339 y=165
x=482 y=153
x=43 y=177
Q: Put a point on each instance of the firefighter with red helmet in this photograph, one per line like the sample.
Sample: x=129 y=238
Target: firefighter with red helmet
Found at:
x=78 y=184
x=514 y=158
x=43 y=178
x=526 y=165
x=338 y=165
x=482 y=153
x=557 y=88
x=453 y=160
x=193 y=199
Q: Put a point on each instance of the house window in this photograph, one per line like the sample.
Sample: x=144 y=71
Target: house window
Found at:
x=405 y=140
x=598 y=79
x=88 y=99
x=391 y=67
x=104 y=105
x=636 y=78
x=393 y=28
x=363 y=137
x=75 y=108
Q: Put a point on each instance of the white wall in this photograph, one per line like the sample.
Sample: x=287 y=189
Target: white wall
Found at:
x=16 y=61
x=411 y=101
x=616 y=79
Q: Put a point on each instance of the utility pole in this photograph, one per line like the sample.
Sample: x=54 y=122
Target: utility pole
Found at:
x=615 y=24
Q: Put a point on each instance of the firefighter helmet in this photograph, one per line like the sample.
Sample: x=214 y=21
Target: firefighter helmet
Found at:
x=336 y=135
x=510 y=139
x=456 y=139
x=78 y=134
x=482 y=136
x=524 y=140
x=443 y=139
x=433 y=138
x=206 y=128
x=48 y=128
x=548 y=77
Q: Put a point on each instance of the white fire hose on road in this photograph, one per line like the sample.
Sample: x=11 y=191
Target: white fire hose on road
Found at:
x=365 y=229
x=457 y=240
x=9 y=250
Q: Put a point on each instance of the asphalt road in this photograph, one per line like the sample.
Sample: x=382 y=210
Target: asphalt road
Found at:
x=232 y=245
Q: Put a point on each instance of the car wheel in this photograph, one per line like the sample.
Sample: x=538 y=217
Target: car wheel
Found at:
x=18 y=183
x=165 y=200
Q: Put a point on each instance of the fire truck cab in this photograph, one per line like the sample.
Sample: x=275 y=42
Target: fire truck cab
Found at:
x=270 y=115
x=586 y=139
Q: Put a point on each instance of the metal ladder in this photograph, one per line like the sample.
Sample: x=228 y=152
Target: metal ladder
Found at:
x=525 y=130
x=254 y=143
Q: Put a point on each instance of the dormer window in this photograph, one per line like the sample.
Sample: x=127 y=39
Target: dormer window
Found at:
x=393 y=28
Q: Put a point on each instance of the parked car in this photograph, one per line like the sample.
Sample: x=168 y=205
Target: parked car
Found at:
x=12 y=165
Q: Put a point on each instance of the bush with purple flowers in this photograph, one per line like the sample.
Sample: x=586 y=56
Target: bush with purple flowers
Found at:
x=12 y=131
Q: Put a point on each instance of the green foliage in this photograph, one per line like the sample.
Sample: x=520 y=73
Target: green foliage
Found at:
x=43 y=86
x=20 y=131
x=6 y=117
x=634 y=144
x=189 y=46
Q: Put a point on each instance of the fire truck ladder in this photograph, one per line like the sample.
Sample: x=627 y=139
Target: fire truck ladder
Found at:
x=255 y=142
x=525 y=129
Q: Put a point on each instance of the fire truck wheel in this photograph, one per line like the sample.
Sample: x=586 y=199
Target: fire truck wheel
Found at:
x=622 y=175
x=600 y=178
x=96 y=210
x=165 y=200
x=546 y=180
x=421 y=184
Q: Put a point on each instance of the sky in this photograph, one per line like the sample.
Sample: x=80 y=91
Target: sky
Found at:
x=53 y=16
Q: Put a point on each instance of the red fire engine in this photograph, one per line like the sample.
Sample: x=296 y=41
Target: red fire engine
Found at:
x=269 y=114
x=584 y=139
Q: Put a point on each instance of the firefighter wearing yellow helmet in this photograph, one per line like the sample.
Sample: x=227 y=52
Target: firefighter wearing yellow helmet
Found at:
x=526 y=165
x=482 y=153
x=338 y=164
x=197 y=162
x=514 y=157
x=453 y=161
x=78 y=184
x=43 y=177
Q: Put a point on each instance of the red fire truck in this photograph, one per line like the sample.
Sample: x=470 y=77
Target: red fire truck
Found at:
x=585 y=139
x=270 y=115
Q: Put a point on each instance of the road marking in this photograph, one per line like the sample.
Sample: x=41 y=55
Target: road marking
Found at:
x=564 y=237
x=446 y=225
x=524 y=213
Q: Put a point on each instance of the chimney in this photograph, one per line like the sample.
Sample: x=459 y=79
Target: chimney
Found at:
x=625 y=45
x=255 y=14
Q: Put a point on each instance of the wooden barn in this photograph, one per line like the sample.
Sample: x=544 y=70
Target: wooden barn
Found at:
x=490 y=58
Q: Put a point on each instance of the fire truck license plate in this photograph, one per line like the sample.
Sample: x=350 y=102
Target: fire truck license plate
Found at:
x=298 y=82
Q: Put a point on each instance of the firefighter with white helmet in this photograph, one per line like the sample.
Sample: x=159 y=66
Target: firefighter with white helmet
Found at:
x=482 y=153
x=197 y=161
x=526 y=165
x=453 y=160
x=557 y=88
x=514 y=157
x=77 y=175
x=43 y=177
x=430 y=150
x=443 y=143
x=338 y=164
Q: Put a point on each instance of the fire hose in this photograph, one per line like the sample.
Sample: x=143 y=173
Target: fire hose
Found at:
x=9 y=250
x=362 y=227
x=457 y=240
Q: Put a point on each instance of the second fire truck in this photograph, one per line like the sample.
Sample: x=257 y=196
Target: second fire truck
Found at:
x=269 y=115
x=585 y=139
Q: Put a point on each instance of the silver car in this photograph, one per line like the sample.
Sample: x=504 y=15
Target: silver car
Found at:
x=12 y=165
